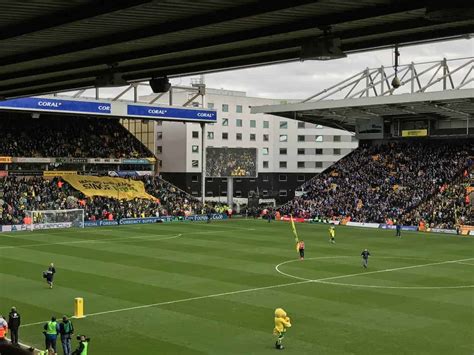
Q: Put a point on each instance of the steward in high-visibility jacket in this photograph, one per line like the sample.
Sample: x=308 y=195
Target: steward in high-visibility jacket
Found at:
x=83 y=346
x=51 y=330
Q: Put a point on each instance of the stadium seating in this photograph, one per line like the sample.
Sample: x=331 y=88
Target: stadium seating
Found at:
x=389 y=181
x=52 y=136
x=21 y=194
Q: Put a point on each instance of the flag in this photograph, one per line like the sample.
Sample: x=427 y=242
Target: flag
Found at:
x=293 y=228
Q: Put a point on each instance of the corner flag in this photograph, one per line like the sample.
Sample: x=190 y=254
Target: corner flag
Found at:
x=293 y=228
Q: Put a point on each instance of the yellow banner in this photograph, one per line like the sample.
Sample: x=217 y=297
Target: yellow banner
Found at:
x=415 y=133
x=122 y=189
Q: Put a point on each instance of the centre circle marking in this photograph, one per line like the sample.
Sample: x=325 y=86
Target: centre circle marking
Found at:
x=326 y=281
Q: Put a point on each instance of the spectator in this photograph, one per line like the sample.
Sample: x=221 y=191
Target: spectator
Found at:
x=385 y=182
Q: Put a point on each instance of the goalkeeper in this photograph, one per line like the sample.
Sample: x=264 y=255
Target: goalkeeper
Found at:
x=282 y=322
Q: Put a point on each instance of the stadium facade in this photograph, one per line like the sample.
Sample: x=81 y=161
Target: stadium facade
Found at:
x=289 y=152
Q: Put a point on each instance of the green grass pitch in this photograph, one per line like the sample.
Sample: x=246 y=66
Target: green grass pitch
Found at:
x=197 y=288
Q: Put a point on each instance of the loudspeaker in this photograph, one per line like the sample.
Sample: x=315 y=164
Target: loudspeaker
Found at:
x=160 y=84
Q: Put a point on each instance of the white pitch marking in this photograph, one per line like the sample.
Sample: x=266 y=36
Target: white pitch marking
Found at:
x=460 y=262
x=324 y=280
x=102 y=240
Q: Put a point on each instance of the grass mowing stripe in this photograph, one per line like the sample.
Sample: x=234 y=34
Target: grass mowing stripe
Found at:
x=261 y=288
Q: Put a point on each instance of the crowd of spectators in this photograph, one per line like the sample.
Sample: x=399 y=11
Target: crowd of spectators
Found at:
x=72 y=137
x=381 y=182
x=450 y=206
x=20 y=194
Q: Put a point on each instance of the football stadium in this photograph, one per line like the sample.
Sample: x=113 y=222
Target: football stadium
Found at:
x=236 y=177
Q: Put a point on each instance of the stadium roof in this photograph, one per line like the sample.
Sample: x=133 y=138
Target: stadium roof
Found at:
x=53 y=45
x=441 y=90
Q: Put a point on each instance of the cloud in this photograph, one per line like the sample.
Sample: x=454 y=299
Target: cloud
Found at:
x=298 y=80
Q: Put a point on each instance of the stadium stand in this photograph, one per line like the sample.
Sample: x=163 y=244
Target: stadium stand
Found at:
x=19 y=194
x=408 y=180
x=78 y=137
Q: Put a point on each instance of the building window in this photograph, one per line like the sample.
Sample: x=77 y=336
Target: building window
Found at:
x=238 y=193
x=300 y=124
x=265 y=178
x=195 y=149
x=159 y=123
x=319 y=138
x=265 y=193
x=209 y=193
x=210 y=135
x=238 y=136
x=225 y=121
x=336 y=138
x=282 y=177
x=265 y=151
x=319 y=152
x=337 y=151
x=266 y=124
x=209 y=179
x=195 y=163
x=160 y=163
x=225 y=135
x=300 y=138
x=283 y=164
x=283 y=151
x=224 y=193
x=238 y=122
x=252 y=136
x=159 y=135
x=238 y=180
x=300 y=151
x=283 y=124
x=194 y=193
x=319 y=164
x=210 y=105
x=265 y=137
x=301 y=164
x=159 y=149
x=283 y=193
x=194 y=178
x=283 y=138
x=238 y=108
x=195 y=134
x=225 y=108
x=300 y=178
x=224 y=180
x=253 y=123
x=265 y=164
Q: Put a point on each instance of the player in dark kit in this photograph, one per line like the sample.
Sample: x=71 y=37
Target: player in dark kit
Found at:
x=49 y=275
x=398 y=228
x=365 y=258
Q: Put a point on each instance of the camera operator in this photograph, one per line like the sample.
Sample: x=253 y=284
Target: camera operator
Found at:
x=83 y=345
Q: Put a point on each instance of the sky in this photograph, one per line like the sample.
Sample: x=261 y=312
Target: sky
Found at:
x=298 y=80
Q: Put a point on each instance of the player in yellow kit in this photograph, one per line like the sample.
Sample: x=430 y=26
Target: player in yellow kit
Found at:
x=332 y=234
